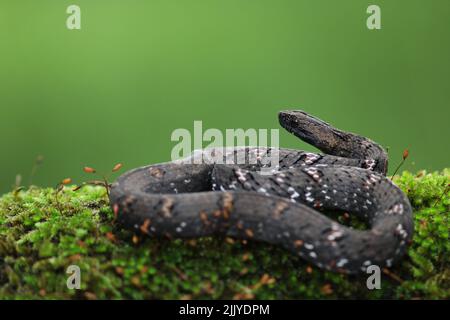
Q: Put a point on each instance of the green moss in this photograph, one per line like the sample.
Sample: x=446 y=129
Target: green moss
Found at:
x=40 y=238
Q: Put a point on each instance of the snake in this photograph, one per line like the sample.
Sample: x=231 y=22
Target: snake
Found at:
x=189 y=198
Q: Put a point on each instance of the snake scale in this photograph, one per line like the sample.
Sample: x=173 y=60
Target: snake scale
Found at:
x=182 y=199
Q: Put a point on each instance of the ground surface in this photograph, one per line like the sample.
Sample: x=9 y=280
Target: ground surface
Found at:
x=40 y=237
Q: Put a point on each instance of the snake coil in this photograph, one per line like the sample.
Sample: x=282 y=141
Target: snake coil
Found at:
x=186 y=200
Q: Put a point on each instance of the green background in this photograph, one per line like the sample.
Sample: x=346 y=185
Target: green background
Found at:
x=116 y=89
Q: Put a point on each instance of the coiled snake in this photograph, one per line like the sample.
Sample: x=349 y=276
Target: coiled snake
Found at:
x=182 y=199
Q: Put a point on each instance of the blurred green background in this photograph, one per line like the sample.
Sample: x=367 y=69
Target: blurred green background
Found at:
x=116 y=89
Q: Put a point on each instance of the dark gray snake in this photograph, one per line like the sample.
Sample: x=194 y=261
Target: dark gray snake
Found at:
x=183 y=200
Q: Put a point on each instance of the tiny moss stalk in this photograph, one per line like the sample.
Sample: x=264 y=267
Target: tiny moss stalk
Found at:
x=404 y=157
x=104 y=182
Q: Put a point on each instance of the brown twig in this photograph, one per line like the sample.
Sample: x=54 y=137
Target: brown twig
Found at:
x=442 y=195
x=392 y=275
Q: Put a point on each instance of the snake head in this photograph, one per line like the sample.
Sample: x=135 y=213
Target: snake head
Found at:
x=310 y=129
x=332 y=140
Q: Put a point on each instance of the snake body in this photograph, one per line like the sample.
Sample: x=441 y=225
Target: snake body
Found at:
x=186 y=200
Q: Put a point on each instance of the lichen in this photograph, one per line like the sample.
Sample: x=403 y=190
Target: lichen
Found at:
x=40 y=236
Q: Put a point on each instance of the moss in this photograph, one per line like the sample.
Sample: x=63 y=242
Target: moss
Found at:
x=40 y=238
